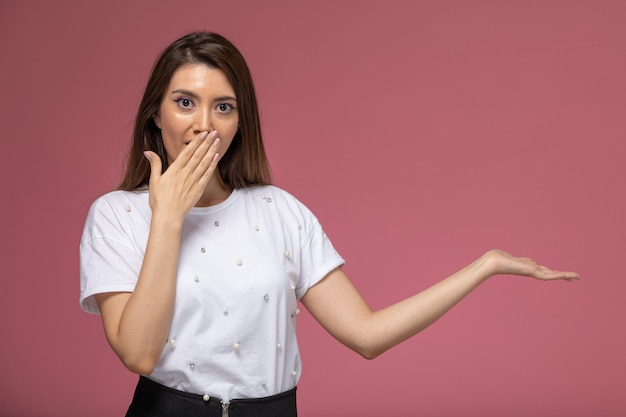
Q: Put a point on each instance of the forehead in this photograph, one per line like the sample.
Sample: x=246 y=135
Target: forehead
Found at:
x=200 y=78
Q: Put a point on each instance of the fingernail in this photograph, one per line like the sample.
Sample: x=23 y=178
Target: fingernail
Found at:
x=217 y=142
x=203 y=135
x=148 y=155
x=213 y=134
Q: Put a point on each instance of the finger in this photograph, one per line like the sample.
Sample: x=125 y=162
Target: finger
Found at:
x=554 y=275
x=156 y=166
x=185 y=156
x=203 y=154
x=571 y=276
x=206 y=167
x=208 y=173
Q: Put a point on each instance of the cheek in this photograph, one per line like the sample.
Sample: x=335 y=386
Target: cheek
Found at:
x=232 y=126
x=171 y=137
x=172 y=123
x=227 y=131
x=225 y=146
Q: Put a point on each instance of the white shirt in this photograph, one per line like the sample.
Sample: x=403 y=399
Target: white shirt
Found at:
x=243 y=265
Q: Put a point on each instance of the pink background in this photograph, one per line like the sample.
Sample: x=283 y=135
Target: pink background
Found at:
x=421 y=134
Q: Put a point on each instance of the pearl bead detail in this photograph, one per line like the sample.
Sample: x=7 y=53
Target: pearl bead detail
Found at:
x=219 y=278
x=127 y=208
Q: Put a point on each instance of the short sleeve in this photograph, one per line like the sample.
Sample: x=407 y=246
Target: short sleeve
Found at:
x=318 y=256
x=109 y=262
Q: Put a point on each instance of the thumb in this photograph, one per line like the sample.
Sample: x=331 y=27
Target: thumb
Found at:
x=155 y=165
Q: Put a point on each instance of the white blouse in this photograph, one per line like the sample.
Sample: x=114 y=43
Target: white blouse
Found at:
x=243 y=265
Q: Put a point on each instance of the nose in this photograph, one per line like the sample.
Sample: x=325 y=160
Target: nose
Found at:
x=202 y=121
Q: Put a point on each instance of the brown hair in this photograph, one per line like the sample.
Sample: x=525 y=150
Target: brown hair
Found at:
x=245 y=164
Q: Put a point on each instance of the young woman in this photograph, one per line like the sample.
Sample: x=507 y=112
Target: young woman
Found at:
x=197 y=262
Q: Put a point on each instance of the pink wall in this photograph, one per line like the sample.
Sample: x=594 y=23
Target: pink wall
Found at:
x=420 y=133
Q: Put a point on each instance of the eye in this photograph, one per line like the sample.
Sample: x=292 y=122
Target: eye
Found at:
x=184 y=103
x=225 y=108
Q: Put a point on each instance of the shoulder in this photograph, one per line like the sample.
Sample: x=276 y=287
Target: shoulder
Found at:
x=114 y=210
x=273 y=195
x=284 y=207
x=120 y=201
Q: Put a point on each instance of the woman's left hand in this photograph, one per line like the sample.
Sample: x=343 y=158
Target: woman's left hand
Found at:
x=504 y=263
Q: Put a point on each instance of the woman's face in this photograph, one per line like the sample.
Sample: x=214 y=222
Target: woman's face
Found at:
x=197 y=99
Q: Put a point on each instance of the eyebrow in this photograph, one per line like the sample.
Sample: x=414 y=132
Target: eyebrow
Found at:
x=195 y=96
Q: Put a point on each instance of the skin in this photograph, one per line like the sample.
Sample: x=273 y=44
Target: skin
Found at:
x=198 y=106
x=338 y=307
x=199 y=100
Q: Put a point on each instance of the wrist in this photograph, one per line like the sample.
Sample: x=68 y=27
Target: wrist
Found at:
x=484 y=267
x=492 y=262
x=165 y=222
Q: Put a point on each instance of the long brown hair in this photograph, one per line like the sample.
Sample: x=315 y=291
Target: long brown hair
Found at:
x=245 y=164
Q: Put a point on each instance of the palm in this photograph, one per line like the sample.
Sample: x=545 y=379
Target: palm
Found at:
x=504 y=263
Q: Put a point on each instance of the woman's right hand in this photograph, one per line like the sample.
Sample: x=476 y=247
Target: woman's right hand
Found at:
x=174 y=192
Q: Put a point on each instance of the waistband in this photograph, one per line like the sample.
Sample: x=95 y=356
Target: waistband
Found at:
x=156 y=400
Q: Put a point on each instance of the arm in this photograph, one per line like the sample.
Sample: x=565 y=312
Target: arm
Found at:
x=340 y=309
x=137 y=324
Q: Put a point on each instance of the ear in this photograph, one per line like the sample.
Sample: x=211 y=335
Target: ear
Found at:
x=157 y=120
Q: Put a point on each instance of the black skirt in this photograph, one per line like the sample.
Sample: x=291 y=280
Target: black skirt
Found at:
x=152 y=399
